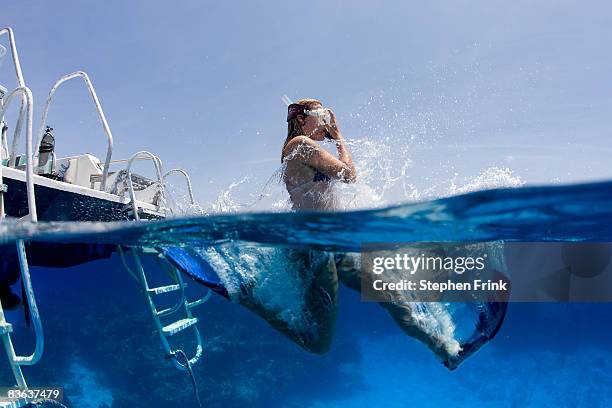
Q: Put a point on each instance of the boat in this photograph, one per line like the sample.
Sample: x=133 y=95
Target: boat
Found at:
x=41 y=186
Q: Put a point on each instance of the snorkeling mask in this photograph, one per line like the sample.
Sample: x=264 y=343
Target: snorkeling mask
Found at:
x=322 y=114
x=294 y=109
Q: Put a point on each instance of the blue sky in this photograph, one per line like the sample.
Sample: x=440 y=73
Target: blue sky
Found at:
x=453 y=87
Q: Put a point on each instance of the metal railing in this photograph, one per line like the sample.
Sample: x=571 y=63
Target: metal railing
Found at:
x=20 y=84
x=26 y=97
x=15 y=360
x=142 y=155
x=11 y=37
x=187 y=180
x=94 y=97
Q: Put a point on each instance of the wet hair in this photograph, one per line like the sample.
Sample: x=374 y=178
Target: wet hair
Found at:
x=293 y=125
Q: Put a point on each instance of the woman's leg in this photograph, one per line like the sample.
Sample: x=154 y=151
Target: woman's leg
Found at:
x=429 y=322
x=317 y=271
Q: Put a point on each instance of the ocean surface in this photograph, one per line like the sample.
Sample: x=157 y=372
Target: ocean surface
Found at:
x=101 y=345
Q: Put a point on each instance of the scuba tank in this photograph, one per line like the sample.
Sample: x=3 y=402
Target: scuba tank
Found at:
x=46 y=152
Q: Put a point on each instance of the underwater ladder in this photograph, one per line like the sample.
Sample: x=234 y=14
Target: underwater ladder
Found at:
x=182 y=305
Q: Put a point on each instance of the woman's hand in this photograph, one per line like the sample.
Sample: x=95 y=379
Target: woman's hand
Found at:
x=332 y=128
x=349 y=174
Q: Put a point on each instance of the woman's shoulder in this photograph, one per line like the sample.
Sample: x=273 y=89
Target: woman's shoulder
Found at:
x=298 y=142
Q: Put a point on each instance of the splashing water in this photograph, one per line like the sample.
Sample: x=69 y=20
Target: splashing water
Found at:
x=491 y=178
x=178 y=200
x=395 y=144
x=384 y=179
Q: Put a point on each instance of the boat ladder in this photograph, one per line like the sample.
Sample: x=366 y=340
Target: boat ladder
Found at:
x=187 y=320
x=182 y=307
x=6 y=328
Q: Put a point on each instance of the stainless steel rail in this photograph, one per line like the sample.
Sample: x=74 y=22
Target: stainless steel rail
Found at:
x=26 y=97
x=187 y=180
x=96 y=101
x=20 y=83
x=158 y=171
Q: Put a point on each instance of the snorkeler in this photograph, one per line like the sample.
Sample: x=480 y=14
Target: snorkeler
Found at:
x=297 y=293
x=309 y=173
x=308 y=169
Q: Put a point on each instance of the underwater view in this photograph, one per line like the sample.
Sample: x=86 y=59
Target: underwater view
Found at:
x=541 y=351
x=183 y=224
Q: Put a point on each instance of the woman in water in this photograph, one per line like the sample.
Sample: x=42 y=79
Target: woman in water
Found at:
x=309 y=172
x=308 y=169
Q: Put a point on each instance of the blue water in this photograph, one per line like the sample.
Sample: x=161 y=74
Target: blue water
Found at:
x=580 y=212
x=101 y=346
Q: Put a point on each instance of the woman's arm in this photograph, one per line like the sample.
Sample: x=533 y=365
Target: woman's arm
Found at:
x=345 y=157
x=310 y=153
x=343 y=153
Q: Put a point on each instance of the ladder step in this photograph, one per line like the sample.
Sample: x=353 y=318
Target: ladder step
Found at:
x=164 y=289
x=179 y=325
x=199 y=301
x=164 y=312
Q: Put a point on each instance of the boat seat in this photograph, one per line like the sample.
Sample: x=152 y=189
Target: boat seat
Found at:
x=77 y=170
